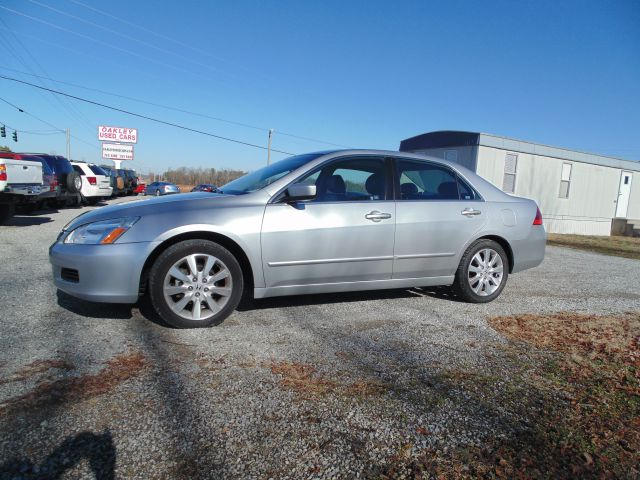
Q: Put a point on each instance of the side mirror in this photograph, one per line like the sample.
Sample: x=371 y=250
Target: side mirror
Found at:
x=300 y=191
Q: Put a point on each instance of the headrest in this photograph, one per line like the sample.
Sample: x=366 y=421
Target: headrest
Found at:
x=335 y=184
x=375 y=185
x=408 y=188
x=448 y=189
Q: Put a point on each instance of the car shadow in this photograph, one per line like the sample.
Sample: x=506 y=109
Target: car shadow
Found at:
x=125 y=311
x=248 y=304
x=94 y=309
x=27 y=220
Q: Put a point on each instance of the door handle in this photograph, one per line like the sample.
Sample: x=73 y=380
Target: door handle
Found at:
x=470 y=212
x=376 y=216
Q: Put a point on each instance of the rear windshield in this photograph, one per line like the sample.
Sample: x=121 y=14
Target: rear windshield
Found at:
x=97 y=170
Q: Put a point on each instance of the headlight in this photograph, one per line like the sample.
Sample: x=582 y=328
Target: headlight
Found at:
x=102 y=232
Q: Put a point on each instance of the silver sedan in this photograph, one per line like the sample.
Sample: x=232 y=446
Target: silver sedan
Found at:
x=315 y=223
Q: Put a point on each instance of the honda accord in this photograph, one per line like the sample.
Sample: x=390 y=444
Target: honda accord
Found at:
x=322 y=222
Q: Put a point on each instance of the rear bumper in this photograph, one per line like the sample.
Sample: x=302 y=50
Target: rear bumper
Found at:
x=529 y=252
x=105 y=273
x=97 y=191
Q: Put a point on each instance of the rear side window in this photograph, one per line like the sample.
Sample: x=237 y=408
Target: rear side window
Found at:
x=426 y=181
x=97 y=170
x=430 y=181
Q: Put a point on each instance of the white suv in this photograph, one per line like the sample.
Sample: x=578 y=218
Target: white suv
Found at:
x=96 y=184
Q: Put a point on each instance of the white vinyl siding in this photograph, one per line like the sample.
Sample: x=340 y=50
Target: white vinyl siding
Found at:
x=510 y=170
x=565 y=180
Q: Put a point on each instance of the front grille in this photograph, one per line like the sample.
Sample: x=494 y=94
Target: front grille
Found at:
x=70 y=275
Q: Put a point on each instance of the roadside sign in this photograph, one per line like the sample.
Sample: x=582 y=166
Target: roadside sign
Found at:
x=117 y=134
x=113 y=151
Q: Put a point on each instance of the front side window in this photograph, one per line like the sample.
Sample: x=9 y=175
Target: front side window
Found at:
x=429 y=181
x=350 y=180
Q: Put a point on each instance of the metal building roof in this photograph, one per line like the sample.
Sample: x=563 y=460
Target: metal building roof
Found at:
x=451 y=138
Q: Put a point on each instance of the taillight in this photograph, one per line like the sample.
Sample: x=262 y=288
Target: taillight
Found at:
x=3 y=172
x=92 y=180
x=538 y=219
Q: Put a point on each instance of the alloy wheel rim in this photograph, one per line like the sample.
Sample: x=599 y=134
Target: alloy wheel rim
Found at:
x=485 y=272
x=197 y=286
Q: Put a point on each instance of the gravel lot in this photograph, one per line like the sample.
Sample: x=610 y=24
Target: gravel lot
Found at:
x=339 y=385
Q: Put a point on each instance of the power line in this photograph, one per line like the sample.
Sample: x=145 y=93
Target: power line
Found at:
x=33 y=132
x=142 y=116
x=68 y=106
x=181 y=110
x=128 y=37
x=53 y=25
x=21 y=110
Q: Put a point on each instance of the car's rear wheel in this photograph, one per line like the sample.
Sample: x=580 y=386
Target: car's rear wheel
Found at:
x=157 y=193
x=195 y=283
x=482 y=273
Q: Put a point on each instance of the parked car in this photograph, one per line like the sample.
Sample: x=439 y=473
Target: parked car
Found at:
x=204 y=187
x=316 y=223
x=140 y=189
x=49 y=189
x=130 y=182
x=68 y=180
x=115 y=181
x=96 y=184
x=161 y=188
x=20 y=183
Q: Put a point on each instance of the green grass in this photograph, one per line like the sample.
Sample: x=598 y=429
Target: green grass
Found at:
x=626 y=247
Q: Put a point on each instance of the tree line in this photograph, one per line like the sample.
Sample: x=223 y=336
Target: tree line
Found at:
x=198 y=175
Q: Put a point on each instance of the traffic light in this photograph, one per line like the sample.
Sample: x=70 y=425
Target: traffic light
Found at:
x=15 y=136
x=3 y=131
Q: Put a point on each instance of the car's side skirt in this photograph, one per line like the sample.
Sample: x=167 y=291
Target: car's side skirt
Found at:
x=352 y=286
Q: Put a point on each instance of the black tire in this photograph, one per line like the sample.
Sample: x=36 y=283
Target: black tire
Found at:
x=173 y=254
x=92 y=200
x=6 y=212
x=461 y=284
x=74 y=182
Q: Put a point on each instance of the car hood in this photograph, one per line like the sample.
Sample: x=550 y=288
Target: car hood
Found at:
x=175 y=204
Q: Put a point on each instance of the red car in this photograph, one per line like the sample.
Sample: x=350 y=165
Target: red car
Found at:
x=140 y=188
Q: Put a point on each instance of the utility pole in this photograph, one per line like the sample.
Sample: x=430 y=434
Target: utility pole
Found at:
x=68 y=144
x=269 y=148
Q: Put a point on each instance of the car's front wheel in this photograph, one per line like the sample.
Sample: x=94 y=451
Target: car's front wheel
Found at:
x=482 y=273
x=195 y=283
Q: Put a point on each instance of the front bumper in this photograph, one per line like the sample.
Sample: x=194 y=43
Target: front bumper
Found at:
x=105 y=273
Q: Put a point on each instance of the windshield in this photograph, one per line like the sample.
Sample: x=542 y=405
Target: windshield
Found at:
x=267 y=175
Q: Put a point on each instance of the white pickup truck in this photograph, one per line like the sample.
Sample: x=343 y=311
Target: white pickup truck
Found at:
x=20 y=182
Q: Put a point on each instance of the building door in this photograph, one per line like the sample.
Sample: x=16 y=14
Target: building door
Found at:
x=623 y=195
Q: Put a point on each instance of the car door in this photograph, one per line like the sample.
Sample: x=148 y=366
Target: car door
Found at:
x=345 y=234
x=437 y=212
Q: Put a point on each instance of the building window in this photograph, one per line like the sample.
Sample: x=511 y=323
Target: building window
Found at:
x=565 y=180
x=510 y=170
x=451 y=155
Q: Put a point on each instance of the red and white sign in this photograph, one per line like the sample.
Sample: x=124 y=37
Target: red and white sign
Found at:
x=117 y=134
x=113 y=151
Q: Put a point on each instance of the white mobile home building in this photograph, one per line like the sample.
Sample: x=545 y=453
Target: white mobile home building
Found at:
x=577 y=192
